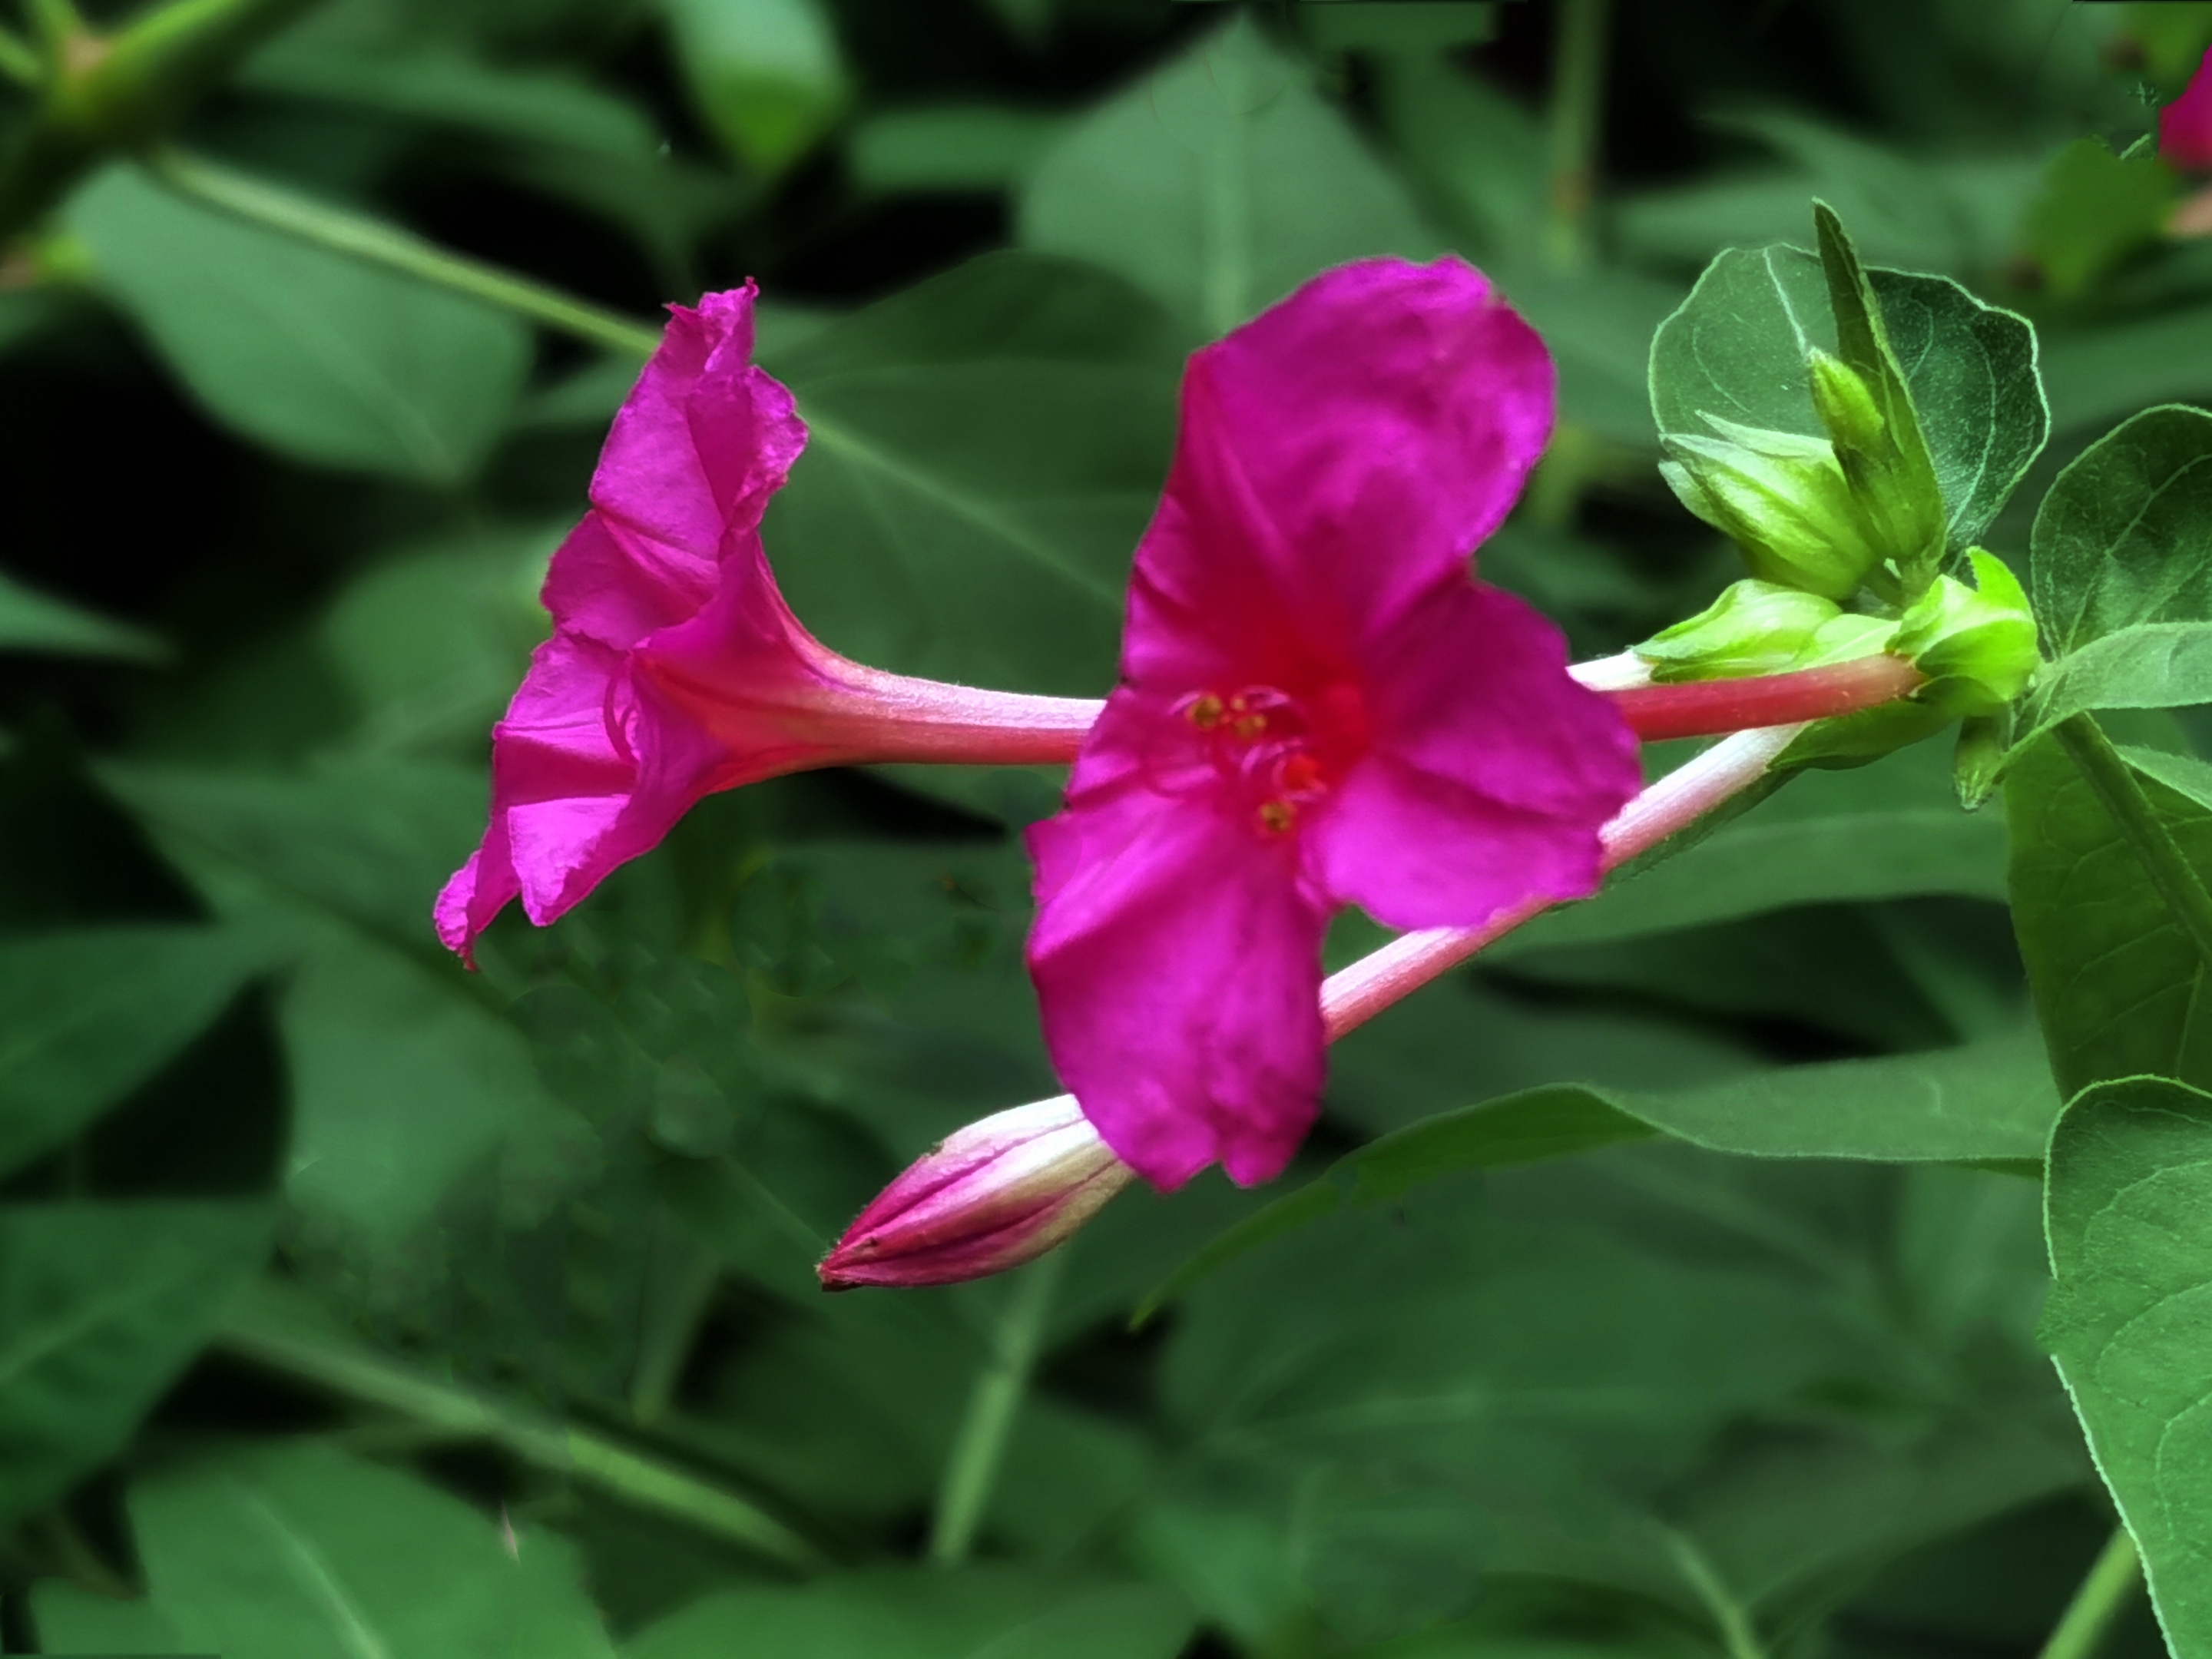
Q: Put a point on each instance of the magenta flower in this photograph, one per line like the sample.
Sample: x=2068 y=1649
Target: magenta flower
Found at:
x=2184 y=126
x=675 y=668
x=986 y=1198
x=1318 y=706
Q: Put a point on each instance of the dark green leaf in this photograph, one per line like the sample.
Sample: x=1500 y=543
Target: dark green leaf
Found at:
x=765 y=74
x=280 y=1550
x=87 y=1016
x=32 y=622
x=315 y=354
x=2159 y=665
x=985 y=451
x=1217 y=184
x=1985 y=1103
x=973 y=1614
x=2095 y=210
x=100 y=1306
x=1737 y=349
x=2129 y=1215
x=1883 y=831
x=2124 y=537
x=2116 y=982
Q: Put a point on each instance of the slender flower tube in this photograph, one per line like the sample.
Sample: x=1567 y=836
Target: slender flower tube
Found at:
x=1318 y=706
x=675 y=668
x=986 y=1198
x=1005 y=1191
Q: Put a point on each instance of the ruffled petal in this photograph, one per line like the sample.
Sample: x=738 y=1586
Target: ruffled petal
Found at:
x=1336 y=456
x=1177 y=960
x=591 y=767
x=1490 y=771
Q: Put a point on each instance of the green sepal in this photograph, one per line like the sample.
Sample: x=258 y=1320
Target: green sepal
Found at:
x=1977 y=766
x=1753 y=627
x=1979 y=640
x=1854 y=739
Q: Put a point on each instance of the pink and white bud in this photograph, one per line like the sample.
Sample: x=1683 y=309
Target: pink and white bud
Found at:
x=986 y=1198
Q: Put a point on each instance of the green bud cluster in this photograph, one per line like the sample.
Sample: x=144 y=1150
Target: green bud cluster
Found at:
x=1827 y=516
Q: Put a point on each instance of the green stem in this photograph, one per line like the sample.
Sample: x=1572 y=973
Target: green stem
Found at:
x=972 y=1469
x=1736 y=1634
x=644 y=1482
x=2112 y=1580
x=394 y=249
x=110 y=93
x=1577 y=108
x=2114 y=784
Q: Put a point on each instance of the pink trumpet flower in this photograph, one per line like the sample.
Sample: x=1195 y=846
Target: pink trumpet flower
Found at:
x=1318 y=706
x=988 y=1198
x=2184 y=126
x=675 y=668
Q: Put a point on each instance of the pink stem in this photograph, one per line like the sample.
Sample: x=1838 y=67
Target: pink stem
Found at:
x=1707 y=707
x=1358 y=993
x=918 y=720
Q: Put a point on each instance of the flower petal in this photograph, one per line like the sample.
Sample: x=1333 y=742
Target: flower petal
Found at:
x=1336 y=456
x=2184 y=126
x=1490 y=776
x=592 y=766
x=1177 y=961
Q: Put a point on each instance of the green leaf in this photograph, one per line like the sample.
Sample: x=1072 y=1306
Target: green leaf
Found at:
x=1218 y=184
x=87 y=1016
x=316 y=356
x=974 y=1613
x=765 y=74
x=100 y=1306
x=2129 y=1212
x=35 y=623
x=273 y=1551
x=951 y=147
x=2117 y=985
x=1988 y=1101
x=2124 y=535
x=1886 y=832
x=1737 y=347
x=406 y=1076
x=985 y=448
x=2095 y=210
x=2143 y=665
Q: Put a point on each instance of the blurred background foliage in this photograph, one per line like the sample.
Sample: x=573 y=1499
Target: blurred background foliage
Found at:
x=352 y=1304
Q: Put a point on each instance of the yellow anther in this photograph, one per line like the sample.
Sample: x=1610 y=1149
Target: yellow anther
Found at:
x=1204 y=711
x=1248 y=726
x=1276 y=816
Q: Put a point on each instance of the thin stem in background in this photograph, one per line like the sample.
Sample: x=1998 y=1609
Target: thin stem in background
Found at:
x=1577 y=110
x=1737 y=1634
x=2114 y=784
x=644 y=1482
x=972 y=1469
x=2111 y=1582
x=379 y=244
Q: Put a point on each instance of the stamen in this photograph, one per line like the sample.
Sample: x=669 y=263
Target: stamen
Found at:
x=1203 y=711
x=1276 y=818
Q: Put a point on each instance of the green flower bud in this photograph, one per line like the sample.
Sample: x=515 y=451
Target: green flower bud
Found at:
x=1845 y=405
x=1977 y=645
x=1782 y=498
x=1753 y=627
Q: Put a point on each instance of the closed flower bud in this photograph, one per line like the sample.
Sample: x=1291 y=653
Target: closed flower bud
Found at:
x=1977 y=645
x=1845 y=404
x=1753 y=627
x=1783 y=498
x=986 y=1198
